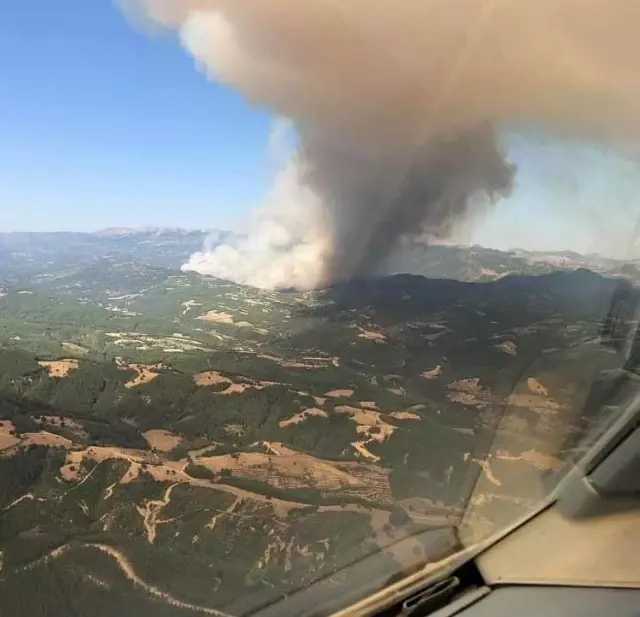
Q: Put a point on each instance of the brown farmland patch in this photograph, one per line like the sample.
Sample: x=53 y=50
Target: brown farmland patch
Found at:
x=405 y=415
x=210 y=378
x=468 y=392
x=217 y=317
x=344 y=393
x=370 y=335
x=367 y=419
x=536 y=387
x=534 y=402
x=368 y=404
x=162 y=440
x=145 y=374
x=59 y=368
x=7 y=440
x=44 y=438
x=236 y=388
x=285 y=471
x=302 y=416
x=434 y=373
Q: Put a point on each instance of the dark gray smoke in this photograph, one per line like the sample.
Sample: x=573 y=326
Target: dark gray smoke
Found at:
x=393 y=104
x=375 y=199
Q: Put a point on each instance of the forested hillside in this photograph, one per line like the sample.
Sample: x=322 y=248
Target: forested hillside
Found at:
x=176 y=443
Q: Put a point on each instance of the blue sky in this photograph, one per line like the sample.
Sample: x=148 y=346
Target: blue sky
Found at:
x=104 y=125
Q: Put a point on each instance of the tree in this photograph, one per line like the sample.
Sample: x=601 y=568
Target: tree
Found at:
x=399 y=517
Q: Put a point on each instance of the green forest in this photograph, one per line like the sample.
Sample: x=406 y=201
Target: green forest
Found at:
x=333 y=421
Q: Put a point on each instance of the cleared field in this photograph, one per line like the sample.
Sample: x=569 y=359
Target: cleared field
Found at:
x=210 y=378
x=303 y=415
x=59 y=368
x=344 y=393
x=7 y=439
x=405 y=415
x=284 y=471
x=162 y=440
x=217 y=317
x=145 y=374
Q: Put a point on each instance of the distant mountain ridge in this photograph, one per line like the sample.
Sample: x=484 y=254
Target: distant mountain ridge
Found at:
x=23 y=254
x=477 y=263
x=136 y=231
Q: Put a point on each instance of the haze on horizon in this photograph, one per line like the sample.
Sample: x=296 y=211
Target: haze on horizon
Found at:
x=584 y=200
x=84 y=150
x=507 y=247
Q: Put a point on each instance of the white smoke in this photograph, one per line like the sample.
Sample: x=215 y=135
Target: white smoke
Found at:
x=284 y=245
x=393 y=104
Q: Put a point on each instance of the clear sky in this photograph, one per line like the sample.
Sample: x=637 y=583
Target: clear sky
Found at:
x=104 y=125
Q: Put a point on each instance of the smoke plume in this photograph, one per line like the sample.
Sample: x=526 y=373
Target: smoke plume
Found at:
x=395 y=105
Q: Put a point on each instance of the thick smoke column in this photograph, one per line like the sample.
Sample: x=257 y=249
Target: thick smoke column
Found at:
x=394 y=104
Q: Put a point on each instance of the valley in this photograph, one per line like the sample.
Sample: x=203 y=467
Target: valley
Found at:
x=185 y=444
